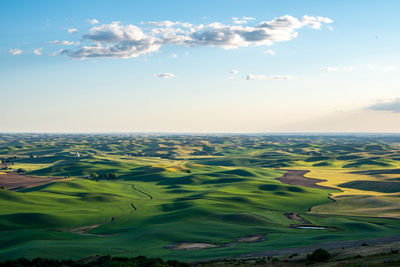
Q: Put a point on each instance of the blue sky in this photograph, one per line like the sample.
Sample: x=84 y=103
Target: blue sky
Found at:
x=226 y=66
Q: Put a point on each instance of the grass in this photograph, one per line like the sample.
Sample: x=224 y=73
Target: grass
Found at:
x=376 y=186
x=229 y=192
x=206 y=214
x=362 y=205
x=335 y=177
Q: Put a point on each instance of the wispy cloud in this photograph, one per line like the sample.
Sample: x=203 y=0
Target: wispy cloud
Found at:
x=270 y=52
x=168 y=24
x=173 y=55
x=242 y=20
x=38 y=51
x=15 y=52
x=72 y=30
x=334 y=69
x=248 y=18
x=165 y=75
x=127 y=41
x=392 y=105
x=268 y=77
x=234 y=73
x=92 y=21
x=61 y=42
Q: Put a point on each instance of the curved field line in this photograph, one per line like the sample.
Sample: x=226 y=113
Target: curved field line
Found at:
x=140 y=191
x=133 y=206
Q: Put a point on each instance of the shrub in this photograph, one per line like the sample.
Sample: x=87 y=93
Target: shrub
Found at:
x=20 y=170
x=103 y=261
x=103 y=176
x=319 y=255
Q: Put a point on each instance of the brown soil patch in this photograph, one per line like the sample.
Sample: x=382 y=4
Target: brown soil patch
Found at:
x=296 y=217
x=188 y=246
x=83 y=230
x=251 y=239
x=296 y=177
x=15 y=181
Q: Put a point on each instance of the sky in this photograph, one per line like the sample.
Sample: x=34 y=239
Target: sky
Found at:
x=200 y=66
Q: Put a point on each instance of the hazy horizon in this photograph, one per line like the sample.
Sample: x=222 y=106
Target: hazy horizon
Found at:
x=220 y=133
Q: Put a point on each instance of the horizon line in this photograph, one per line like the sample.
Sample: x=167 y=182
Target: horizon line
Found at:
x=209 y=133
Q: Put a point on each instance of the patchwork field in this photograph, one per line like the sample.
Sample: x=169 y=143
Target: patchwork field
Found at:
x=193 y=197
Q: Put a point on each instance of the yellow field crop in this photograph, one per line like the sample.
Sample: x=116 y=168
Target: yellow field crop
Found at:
x=352 y=201
x=335 y=177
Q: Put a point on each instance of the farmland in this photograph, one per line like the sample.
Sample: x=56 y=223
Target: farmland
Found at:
x=193 y=197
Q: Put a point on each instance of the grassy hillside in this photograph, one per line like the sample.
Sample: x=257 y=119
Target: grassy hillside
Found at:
x=153 y=195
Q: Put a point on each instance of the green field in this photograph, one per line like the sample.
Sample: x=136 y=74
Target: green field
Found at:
x=214 y=190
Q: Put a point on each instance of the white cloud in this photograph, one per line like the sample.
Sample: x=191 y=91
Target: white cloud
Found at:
x=239 y=21
x=62 y=42
x=315 y=22
x=15 y=51
x=242 y=20
x=164 y=75
x=335 y=69
x=115 y=40
x=127 y=41
x=38 y=51
x=167 y=23
x=329 y=69
x=234 y=71
x=248 y=18
x=173 y=55
x=73 y=30
x=92 y=21
x=268 y=77
x=270 y=52
x=265 y=33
